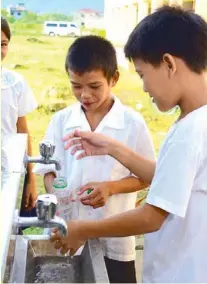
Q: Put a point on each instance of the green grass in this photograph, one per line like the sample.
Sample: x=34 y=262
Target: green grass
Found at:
x=41 y=61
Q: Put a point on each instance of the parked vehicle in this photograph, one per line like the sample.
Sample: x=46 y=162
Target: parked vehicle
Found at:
x=53 y=28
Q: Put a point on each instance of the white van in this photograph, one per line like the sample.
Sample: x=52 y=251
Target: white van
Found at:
x=53 y=28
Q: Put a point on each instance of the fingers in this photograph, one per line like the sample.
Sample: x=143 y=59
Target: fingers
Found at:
x=33 y=203
x=76 y=148
x=72 y=135
x=55 y=236
x=86 y=187
x=89 y=186
x=58 y=244
x=78 y=135
x=82 y=190
x=94 y=199
x=101 y=204
x=55 y=230
x=90 y=196
x=62 y=244
x=72 y=142
x=96 y=202
x=65 y=249
x=59 y=241
x=29 y=204
x=73 y=251
x=81 y=155
x=89 y=189
x=26 y=201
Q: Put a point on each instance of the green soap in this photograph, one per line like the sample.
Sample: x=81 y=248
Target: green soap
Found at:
x=89 y=190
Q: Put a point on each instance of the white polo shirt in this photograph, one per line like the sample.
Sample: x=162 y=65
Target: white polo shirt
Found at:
x=177 y=253
x=122 y=124
x=17 y=100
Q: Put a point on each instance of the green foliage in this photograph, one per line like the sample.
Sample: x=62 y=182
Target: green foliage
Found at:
x=29 y=29
x=4 y=13
x=55 y=17
x=31 y=23
x=98 y=32
x=29 y=17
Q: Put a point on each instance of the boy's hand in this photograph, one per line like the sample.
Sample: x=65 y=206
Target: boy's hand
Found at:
x=98 y=196
x=70 y=243
x=91 y=144
x=30 y=195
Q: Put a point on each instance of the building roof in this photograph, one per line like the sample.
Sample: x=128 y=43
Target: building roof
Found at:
x=89 y=11
x=17 y=7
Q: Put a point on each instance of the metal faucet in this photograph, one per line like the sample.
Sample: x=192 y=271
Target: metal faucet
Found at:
x=47 y=150
x=46 y=206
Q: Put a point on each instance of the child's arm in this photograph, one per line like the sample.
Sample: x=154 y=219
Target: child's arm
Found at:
x=48 y=181
x=143 y=220
x=31 y=192
x=26 y=104
x=102 y=190
x=127 y=185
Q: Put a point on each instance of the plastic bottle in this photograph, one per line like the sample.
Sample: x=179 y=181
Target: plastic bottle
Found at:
x=60 y=189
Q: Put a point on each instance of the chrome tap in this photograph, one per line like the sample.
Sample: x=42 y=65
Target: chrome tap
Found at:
x=46 y=206
x=47 y=150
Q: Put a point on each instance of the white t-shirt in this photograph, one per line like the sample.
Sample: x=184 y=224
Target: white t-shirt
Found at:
x=178 y=251
x=17 y=100
x=122 y=124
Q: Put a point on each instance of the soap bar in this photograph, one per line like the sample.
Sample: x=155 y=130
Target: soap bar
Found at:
x=89 y=190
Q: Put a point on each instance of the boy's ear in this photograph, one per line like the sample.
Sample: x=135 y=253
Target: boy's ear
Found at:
x=170 y=64
x=115 y=78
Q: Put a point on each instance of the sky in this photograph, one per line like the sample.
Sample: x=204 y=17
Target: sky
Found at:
x=59 y=6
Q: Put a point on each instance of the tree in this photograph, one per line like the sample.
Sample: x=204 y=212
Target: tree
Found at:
x=5 y=14
x=29 y=17
x=55 y=17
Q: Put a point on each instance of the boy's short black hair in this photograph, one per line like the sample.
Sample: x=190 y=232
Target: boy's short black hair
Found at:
x=170 y=30
x=5 y=28
x=89 y=53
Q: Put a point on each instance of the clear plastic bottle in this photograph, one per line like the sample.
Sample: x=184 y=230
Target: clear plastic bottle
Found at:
x=60 y=189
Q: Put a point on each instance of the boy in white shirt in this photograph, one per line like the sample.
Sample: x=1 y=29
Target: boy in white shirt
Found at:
x=169 y=51
x=17 y=101
x=92 y=67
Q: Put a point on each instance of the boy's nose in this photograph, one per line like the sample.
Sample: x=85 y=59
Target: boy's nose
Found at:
x=85 y=94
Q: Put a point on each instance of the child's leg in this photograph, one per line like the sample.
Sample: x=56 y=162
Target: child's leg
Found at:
x=120 y=271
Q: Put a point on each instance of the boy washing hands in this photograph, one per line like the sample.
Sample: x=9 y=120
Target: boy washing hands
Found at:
x=92 y=68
